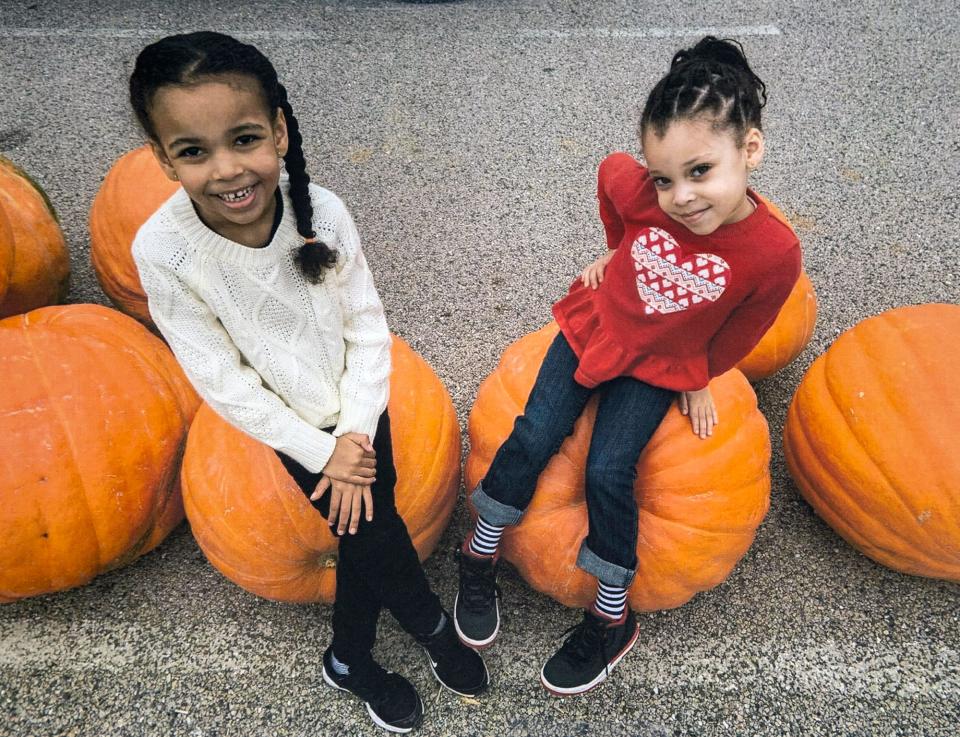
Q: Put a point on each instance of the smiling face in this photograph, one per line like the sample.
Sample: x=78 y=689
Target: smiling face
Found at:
x=220 y=141
x=701 y=173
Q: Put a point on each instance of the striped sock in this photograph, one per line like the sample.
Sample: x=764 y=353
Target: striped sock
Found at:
x=485 y=538
x=611 y=600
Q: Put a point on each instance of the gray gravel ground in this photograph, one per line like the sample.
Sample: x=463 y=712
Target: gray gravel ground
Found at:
x=465 y=137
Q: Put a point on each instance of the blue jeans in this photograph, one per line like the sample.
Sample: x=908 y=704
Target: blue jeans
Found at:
x=629 y=413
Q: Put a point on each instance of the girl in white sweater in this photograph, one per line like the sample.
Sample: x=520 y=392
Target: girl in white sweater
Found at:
x=258 y=283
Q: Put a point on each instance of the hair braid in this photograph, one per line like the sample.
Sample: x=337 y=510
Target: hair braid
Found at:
x=313 y=256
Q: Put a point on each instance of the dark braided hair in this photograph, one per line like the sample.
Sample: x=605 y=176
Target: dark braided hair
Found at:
x=711 y=80
x=189 y=58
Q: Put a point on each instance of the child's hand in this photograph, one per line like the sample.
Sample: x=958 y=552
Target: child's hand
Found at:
x=593 y=275
x=703 y=414
x=346 y=501
x=353 y=461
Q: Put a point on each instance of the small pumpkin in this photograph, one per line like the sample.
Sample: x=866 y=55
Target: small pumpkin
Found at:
x=699 y=501
x=36 y=259
x=93 y=419
x=791 y=331
x=132 y=191
x=259 y=530
x=871 y=439
x=787 y=337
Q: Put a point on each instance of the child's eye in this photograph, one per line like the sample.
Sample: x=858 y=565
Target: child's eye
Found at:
x=700 y=170
x=247 y=139
x=661 y=182
x=189 y=152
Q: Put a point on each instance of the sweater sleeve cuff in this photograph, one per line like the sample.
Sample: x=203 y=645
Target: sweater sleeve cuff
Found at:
x=358 y=417
x=311 y=448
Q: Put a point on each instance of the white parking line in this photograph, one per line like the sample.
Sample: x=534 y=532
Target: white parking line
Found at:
x=722 y=32
x=279 y=35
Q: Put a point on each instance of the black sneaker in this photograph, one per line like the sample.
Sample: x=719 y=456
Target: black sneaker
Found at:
x=392 y=702
x=455 y=665
x=476 y=610
x=590 y=652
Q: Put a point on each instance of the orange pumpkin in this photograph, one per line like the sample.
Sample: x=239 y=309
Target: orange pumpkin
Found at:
x=787 y=337
x=871 y=439
x=257 y=528
x=93 y=419
x=792 y=329
x=699 y=501
x=132 y=191
x=37 y=263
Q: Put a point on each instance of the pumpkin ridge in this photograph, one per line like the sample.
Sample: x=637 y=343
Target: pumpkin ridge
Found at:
x=692 y=528
x=928 y=386
x=904 y=327
x=281 y=492
x=839 y=518
x=65 y=428
x=894 y=491
x=799 y=435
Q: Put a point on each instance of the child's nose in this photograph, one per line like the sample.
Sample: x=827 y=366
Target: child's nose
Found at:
x=226 y=166
x=682 y=194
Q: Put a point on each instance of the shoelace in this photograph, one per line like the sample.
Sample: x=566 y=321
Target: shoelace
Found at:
x=478 y=584
x=585 y=639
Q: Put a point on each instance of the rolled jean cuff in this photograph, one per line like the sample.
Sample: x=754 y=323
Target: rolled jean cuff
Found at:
x=494 y=512
x=609 y=573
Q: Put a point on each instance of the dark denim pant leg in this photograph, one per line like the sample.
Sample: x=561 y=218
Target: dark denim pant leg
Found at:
x=555 y=403
x=378 y=566
x=629 y=413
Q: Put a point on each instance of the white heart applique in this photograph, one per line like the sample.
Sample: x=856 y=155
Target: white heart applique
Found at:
x=663 y=285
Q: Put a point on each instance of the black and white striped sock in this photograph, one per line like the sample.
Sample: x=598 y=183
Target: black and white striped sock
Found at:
x=611 y=600
x=485 y=538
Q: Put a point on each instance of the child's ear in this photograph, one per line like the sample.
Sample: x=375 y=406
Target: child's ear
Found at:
x=164 y=161
x=753 y=144
x=280 y=139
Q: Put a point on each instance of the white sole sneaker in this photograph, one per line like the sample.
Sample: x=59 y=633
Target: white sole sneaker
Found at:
x=376 y=720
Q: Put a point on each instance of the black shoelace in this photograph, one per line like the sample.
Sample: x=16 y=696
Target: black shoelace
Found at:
x=586 y=638
x=477 y=584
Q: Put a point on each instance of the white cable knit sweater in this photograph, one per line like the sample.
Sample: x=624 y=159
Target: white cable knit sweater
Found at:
x=274 y=355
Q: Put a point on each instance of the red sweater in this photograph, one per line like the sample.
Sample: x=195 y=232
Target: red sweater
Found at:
x=675 y=308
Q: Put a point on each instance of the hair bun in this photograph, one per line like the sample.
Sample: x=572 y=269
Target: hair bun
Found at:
x=712 y=49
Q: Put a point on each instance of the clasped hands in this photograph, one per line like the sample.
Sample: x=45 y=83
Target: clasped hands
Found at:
x=348 y=476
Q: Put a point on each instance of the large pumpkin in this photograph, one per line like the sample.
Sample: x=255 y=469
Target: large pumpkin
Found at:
x=871 y=438
x=792 y=329
x=257 y=528
x=132 y=191
x=699 y=501
x=35 y=255
x=93 y=418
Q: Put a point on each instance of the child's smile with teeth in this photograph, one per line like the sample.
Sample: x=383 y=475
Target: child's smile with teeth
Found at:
x=236 y=195
x=211 y=136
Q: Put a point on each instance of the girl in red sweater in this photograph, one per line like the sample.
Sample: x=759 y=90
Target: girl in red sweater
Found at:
x=696 y=272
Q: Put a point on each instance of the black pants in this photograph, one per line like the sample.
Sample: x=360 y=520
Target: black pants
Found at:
x=378 y=566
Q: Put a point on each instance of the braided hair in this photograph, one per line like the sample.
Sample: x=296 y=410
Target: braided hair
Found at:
x=711 y=80
x=184 y=59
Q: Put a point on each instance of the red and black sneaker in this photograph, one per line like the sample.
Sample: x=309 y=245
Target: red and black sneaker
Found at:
x=476 y=610
x=592 y=648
